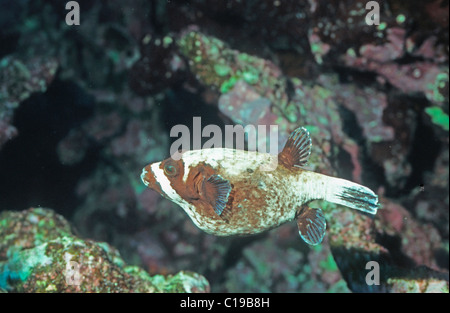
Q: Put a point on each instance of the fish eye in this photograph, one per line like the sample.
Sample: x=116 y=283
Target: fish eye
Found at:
x=170 y=170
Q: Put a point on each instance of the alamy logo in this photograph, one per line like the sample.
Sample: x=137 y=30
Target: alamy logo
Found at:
x=72 y=273
x=73 y=17
x=373 y=17
x=373 y=276
x=257 y=138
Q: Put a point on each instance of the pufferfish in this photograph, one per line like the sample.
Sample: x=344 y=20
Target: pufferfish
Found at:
x=236 y=192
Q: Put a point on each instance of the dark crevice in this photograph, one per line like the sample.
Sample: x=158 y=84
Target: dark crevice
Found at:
x=158 y=15
x=409 y=59
x=442 y=258
x=354 y=76
x=35 y=176
x=232 y=256
x=181 y=107
x=372 y=173
x=422 y=155
x=394 y=245
x=9 y=43
x=424 y=151
x=343 y=165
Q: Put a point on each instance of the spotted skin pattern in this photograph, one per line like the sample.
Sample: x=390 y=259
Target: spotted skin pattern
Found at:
x=234 y=192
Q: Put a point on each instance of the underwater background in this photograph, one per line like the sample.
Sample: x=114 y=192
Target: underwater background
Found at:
x=83 y=108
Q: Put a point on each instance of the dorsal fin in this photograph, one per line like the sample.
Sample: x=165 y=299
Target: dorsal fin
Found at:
x=297 y=149
x=217 y=190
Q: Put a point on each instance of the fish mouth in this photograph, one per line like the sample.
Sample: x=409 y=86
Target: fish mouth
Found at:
x=148 y=178
x=143 y=176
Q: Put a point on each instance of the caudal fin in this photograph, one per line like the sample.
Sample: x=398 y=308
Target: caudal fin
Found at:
x=353 y=195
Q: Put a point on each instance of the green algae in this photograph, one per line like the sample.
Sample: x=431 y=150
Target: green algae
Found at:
x=21 y=264
x=250 y=77
x=329 y=264
x=400 y=18
x=216 y=65
x=222 y=69
x=382 y=26
x=438 y=117
x=167 y=41
x=228 y=84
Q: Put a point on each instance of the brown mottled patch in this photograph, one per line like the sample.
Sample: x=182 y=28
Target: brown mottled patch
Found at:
x=248 y=204
x=195 y=179
x=194 y=191
x=286 y=159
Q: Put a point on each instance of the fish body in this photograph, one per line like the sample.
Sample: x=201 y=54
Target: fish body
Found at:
x=235 y=192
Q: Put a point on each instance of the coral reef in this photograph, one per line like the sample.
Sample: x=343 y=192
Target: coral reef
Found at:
x=286 y=267
x=18 y=80
x=387 y=240
x=432 y=284
x=214 y=64
x=424 y=77
x=39 y=252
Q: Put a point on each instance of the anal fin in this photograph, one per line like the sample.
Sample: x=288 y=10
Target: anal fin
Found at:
x=311 y=225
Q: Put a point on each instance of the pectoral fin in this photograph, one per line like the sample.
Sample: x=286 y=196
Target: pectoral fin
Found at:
x=311 y=225
x=217 y=190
